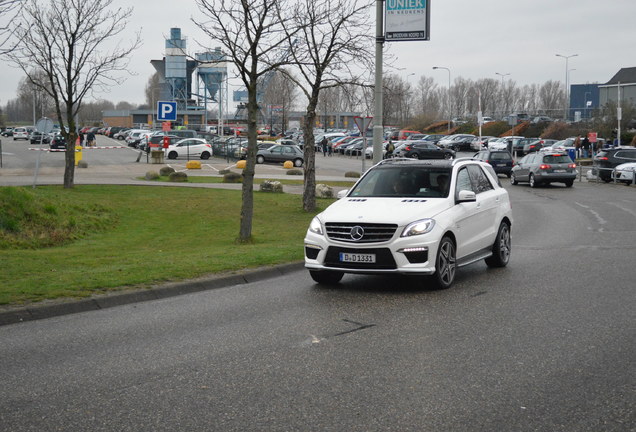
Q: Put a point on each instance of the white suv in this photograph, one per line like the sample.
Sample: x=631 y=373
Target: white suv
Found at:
x=415 y=217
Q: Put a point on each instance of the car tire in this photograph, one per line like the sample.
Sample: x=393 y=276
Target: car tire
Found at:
x=513 y=179
x=326 y=277
x=445 y=264
x=448 y=156
x=569 y=183
x=298 y=163
x=532 y=181
x=172 y=155
x=260 y=159
x=205 y=155
x=501 y=247
x=415 y=156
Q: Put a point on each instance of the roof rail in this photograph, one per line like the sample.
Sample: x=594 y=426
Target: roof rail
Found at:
x=461 y=159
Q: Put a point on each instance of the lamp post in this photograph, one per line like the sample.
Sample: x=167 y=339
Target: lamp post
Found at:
x=450 y=117
x=503 y=99
x=567 y=85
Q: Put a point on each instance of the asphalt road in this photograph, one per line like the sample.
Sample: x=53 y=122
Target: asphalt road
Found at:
x=545 y=344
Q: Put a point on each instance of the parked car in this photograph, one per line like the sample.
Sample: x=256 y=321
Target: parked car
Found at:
x=134 y=137
x=190 y=148
x=479 y=143
x=415 y=218
x=425 y=150
x=608 y=159
x=7 y=132
x=519 y=144
x=58 y=142
x=38 y=137
x=542 y=119
x=625 y=173
x=402 y=134
x=281 y=153
x=544 y=168
x=500 y=160
x=537 y=145
x=457 y=142
x=157 y=141
x=121 y=135
x=20 y=133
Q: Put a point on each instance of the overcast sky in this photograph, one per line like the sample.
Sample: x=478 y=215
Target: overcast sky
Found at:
x=474 y=39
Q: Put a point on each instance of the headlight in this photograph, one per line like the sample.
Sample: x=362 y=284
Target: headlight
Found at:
x=418 y=227
x=315 y=226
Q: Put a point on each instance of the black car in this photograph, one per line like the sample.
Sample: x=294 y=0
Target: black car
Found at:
x=608 y=159
x=426 y=150
x=500 y=160
x=39 y=137
x=58 y=143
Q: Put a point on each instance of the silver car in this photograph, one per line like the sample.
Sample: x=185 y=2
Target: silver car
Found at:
x=544 y=168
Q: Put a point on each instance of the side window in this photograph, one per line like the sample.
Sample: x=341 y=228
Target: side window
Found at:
x=463 y=181
x=479 y=179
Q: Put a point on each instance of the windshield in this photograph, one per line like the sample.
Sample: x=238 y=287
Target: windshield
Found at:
x=404 y=181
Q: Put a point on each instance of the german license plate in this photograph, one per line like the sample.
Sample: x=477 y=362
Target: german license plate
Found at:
x=357 y=257
x=560 y=171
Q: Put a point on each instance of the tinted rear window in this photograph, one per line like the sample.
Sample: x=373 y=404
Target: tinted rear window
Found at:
x=557 y=159
x=500 y=156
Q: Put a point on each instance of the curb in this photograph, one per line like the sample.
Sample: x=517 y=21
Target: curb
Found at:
x=37 y=312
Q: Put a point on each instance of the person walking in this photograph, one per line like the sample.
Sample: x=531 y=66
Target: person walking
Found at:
x=90 y=138
x=81 y=139
x=585 y=145
x=324 y=146
x=389 y=149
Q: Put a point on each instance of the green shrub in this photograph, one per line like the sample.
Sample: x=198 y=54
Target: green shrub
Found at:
x=232 y=177
x=166 y=171
x=271 y=186
x=352 y=174
x=82 y=164
x=179 y=177
x=295 y=171
x=152 y=175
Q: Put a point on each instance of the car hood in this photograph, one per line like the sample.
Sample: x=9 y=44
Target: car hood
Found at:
x=401 y=211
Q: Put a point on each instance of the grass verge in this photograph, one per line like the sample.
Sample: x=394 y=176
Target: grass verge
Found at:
x=146 y=236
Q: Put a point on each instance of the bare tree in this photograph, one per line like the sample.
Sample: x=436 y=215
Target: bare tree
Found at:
x=252 y=35
x=153 y=90
x=280 y=92
x=8 y=10
x=69 y=41
x=334 y=37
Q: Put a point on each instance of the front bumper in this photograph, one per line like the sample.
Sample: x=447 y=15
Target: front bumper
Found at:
x=404 y=255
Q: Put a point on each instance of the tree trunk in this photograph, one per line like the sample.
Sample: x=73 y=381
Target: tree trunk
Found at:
x=247 y=208
x=309 y=173
x=69 y=161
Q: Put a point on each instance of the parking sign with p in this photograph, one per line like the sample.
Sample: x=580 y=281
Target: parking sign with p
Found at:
x=166 y=111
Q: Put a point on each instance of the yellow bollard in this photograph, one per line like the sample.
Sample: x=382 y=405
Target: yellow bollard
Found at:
x=193 y=164
x=288 y=165
x=241 y=164
x=78 y=154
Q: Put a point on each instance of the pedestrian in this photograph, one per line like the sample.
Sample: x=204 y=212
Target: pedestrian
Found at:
x=81 y=139
x=324 y=146
x=389 y=149
x=90 y=138
x=585 y=144
x=330 y=149
x=577 y=146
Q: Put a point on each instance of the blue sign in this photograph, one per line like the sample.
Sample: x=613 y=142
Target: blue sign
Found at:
x=166 y=111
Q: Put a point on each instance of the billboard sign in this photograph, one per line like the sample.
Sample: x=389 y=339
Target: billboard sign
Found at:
x=407 y=20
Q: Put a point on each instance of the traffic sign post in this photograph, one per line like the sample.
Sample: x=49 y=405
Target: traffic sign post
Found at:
x=363 y=123
x=166 y=111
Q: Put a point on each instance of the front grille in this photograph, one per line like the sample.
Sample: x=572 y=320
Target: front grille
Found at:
x=363 y=233
x=383 y=259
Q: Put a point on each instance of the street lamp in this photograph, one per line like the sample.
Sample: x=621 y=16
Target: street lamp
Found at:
x=503 y=99
x=450 y=117
x=567 y=85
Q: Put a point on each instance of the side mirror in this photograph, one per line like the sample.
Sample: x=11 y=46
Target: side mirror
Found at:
x=466 y=196
x=343 y=193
